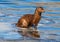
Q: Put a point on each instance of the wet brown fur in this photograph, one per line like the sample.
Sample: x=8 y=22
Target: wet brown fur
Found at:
x=30 y=19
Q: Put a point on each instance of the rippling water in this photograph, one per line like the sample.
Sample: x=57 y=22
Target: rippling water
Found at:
x=11 y=11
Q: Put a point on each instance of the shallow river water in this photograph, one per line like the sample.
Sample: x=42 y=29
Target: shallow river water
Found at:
x=12 y=10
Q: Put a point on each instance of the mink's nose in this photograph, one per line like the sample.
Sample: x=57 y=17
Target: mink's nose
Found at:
x=43 y=11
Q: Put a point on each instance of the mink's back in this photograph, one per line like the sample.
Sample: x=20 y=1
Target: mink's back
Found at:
x=28 y=17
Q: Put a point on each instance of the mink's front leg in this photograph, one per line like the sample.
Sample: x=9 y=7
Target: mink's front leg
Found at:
x=34 y=26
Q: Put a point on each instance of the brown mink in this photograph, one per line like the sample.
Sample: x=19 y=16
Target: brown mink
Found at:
x=30 y=19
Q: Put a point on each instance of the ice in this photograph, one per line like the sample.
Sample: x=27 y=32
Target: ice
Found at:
x=7 y=31
x=5 y=27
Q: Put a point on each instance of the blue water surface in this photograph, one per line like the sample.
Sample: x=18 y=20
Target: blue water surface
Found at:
x=12 y=10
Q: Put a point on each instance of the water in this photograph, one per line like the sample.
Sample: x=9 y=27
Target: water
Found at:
x=11 y=11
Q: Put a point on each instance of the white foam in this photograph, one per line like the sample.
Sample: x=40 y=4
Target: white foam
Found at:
x=40 y=24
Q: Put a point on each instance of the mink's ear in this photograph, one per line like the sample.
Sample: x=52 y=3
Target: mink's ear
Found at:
x=40 y=7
